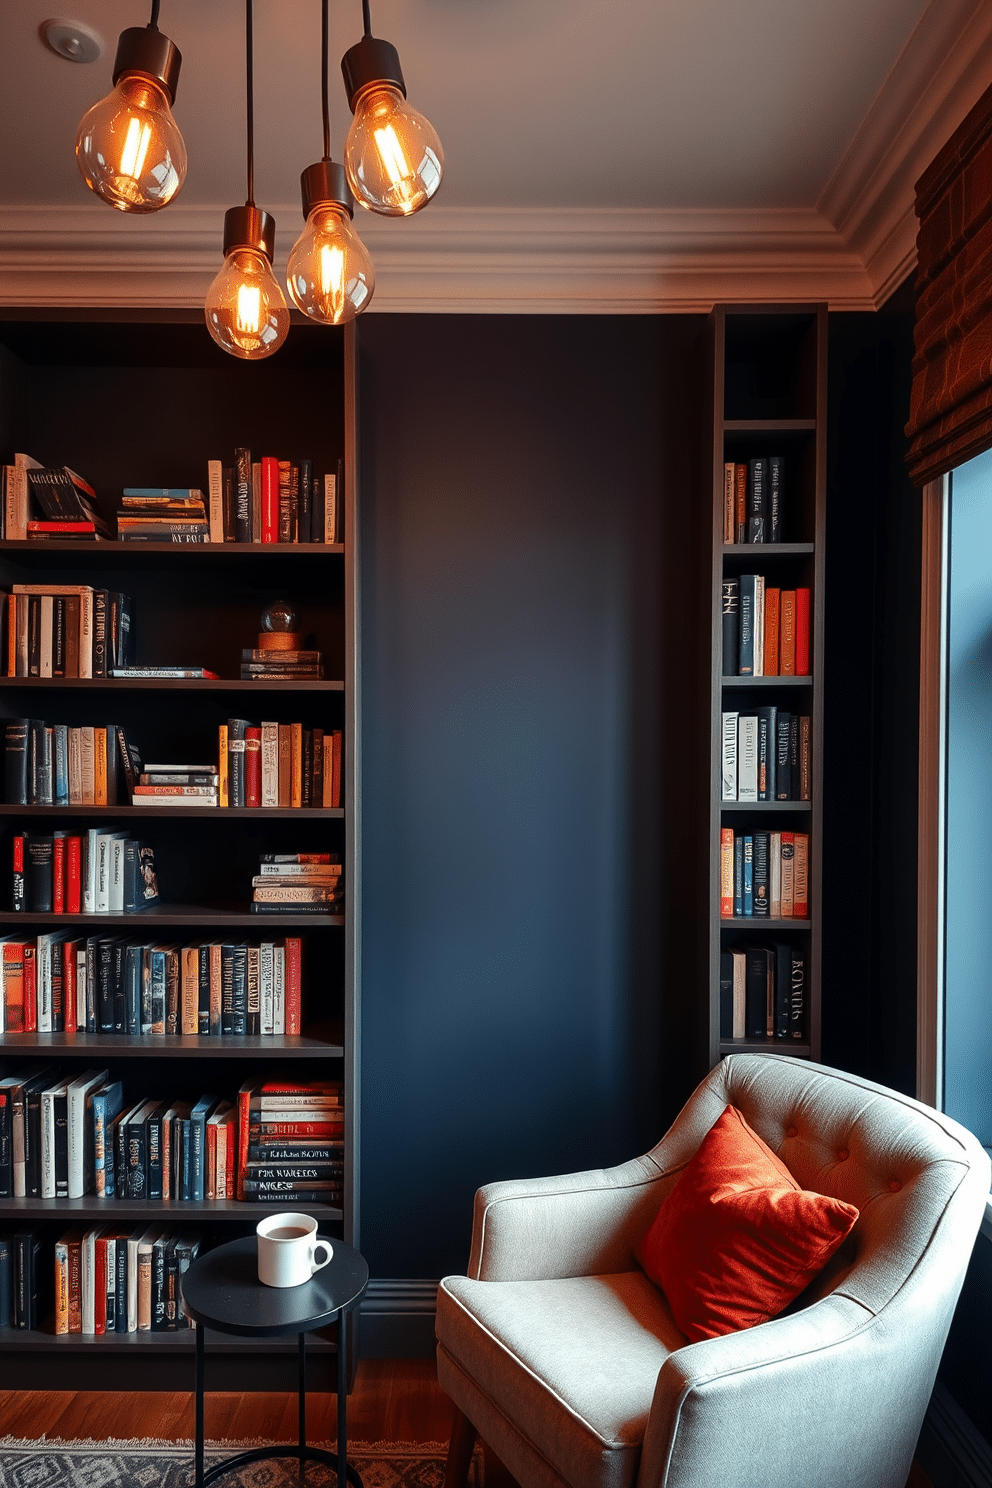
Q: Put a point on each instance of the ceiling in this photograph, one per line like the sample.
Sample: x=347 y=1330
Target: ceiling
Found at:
x=600 y=155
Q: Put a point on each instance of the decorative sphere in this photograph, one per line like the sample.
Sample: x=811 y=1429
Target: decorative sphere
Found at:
x=280 y=616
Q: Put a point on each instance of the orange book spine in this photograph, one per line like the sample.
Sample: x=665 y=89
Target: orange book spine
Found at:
x=726 y=873
x=802 y=632
x=788 y=875
x=729 y=502
x=12 y=635
x=740 y=488
x=13 y=986
x=294 y=981
x=787 y=633
x=223 y=792
x=244 y=1103
x=772 y=608
x=800 y=895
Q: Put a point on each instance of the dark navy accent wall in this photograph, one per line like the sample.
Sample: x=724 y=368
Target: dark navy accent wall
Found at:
x=529 y=552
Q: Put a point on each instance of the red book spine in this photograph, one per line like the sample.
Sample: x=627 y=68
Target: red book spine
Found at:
x=336 y=741
x=58 y=875
x=802 y=632
x=30 y=988
x=100 y=1286
x=253 y=767
x=244 y=1103
x=294 y=982
x=19 y=887
x=270 y=499
x=73 y=875
x=69 y=985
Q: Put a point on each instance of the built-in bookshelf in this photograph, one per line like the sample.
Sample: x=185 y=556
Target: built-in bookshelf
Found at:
x=145 y=399
x=769 y=406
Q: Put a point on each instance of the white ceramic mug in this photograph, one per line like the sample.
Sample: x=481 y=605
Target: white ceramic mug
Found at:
x=288 y=1249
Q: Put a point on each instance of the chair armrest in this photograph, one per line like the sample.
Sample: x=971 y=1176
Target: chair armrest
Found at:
x=578 y=1224
x=821 y=1398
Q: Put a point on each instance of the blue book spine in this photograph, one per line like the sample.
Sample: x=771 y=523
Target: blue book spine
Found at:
x=198 y=1144
x=176 y=493
x=158 y=991
x=738 y=876
x=108 y=1102
x=748 y=876
x=60 y=765
x=132 y=990
x=748 y=592
x=185 y=1159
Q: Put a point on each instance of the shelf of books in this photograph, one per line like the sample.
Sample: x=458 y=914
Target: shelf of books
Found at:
x=769 y=471
x=178 y=901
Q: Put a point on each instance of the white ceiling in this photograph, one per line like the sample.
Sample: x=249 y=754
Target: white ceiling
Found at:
x=639 y=155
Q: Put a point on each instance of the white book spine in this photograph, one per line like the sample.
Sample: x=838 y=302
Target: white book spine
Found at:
x=265 y=975
x=278 y=989
x=759 y=625
x=117 y=876
x=728 y=790
x=75 y=1141
x=87 y=1279
x=775 y=874
x=43 y=972
x=89 y=870
x=103 y=869
x=81 y=990
x=86 y=633
x=45 y=636
x=48 y=1143
x=75 y=768
x=215 y=498
x=747 y=757
x=87 y=753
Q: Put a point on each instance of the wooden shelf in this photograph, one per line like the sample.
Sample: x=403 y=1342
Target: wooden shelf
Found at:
x=17 y=1340
x=200 y=915
x=751 y=922
x=131 y=552
x=794 y=1047
x=745 y=806
x=136 y=1211
x=747 y=682
x=276 y=1046
x=172 y=684
x=769 y=426
x=166 y=813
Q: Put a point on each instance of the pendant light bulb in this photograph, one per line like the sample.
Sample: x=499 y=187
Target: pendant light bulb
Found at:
x=330 y=275
x=128 y=147
x=392 y=155
x=245 y=310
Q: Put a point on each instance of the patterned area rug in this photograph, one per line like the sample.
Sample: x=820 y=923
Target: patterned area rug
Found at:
x=157 y=1464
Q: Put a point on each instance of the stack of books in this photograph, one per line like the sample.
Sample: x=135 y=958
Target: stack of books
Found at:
x=298 y=883
x=177 y=785
x=171 y=514
x=291 y=1142
x=288 y=665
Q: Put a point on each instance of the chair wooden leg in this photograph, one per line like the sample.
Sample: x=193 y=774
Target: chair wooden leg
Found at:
x=460 y=1449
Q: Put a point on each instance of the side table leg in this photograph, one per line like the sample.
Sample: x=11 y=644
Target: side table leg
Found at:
x=199 y=1405
x=302 y=1346
x=342 y=1400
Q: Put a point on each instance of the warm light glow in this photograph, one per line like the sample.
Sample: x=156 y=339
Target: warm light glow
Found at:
x=330 y=275
x=129 y=148
x=249 y=315
x=245 y=310
x=392 y=155
x=135 y=148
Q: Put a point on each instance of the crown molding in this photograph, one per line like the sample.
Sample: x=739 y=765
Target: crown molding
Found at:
x=942 y=71
x=457 y=260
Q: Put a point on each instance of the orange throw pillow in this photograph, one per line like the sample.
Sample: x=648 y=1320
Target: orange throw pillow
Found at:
x=737 y=1238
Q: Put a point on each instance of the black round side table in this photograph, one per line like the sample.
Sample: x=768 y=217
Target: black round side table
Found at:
x=221 y=1290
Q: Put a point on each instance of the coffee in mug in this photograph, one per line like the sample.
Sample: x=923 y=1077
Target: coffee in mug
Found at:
x=289 y=1251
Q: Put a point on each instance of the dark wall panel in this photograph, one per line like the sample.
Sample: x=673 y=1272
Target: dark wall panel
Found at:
x=528 y=486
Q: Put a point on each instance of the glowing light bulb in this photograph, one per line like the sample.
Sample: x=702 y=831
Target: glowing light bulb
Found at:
x=128 y=147
x=392 y=154
x=245 y=310
x=330 y=275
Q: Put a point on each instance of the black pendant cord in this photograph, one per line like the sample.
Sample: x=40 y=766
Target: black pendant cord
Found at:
x=323 y=81
x=153 y=23
x=250 y=103
x=367 y=17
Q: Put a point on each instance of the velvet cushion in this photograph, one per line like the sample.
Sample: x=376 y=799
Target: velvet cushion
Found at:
x=737 y=1239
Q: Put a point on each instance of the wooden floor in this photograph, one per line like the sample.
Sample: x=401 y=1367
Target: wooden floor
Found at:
x=393 y=1400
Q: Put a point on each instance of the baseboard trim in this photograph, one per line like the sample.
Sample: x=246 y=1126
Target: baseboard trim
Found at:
x=397 y=1319
x=951 y=1450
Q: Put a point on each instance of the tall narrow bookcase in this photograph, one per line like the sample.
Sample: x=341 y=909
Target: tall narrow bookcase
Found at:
x=770 y=399
x=146 y=400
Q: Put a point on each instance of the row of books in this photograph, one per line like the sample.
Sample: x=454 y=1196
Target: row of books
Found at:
x=265 y=500
x=58 y=764
x=269 y=500
x=278 y=765
x=766 y=630
x=767 y=756
x=303 y=883
x=111 y=1279
x=62 y=983
x=763 y=992
x=67 y=630
x=49 y=502
x=764 y=875
x=25 y=1278
x=288 y=666
x=97 y=872
x=290 y=1141
x=752 y=499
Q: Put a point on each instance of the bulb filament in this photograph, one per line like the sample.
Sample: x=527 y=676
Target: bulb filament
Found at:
x=249 y=309
x=135 y=148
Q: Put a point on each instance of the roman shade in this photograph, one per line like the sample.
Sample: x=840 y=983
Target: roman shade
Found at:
x=951 y=407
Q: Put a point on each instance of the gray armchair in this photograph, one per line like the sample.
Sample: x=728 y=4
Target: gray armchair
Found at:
x=565 y=1358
